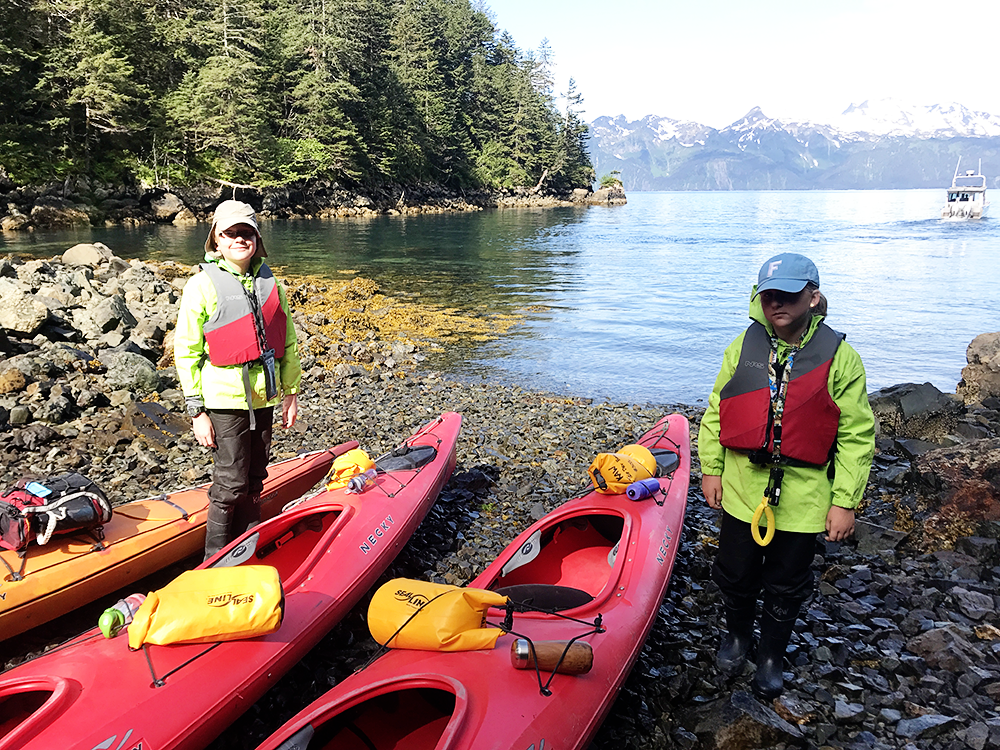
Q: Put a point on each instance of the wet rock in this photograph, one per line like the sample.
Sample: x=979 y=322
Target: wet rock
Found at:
x=965 y=478
x=973 y=604
x=151 y=421
x=915 y=411
x=926 y=727
x=742 y=723
x=945 y=648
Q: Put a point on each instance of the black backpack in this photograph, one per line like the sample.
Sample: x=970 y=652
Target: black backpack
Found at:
x=40 y=509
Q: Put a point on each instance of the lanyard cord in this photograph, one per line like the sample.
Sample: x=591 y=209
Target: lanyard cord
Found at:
x=779 y=391
x=258 y=315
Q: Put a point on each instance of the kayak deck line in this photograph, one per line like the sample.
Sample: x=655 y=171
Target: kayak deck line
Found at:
x=70 y=571
x=95 y=691
x=601 y=560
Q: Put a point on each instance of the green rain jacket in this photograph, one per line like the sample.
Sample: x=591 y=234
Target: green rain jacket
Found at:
x=806 y=493
x=222 y=387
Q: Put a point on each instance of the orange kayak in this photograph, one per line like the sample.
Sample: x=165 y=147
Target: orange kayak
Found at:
x=141 y=538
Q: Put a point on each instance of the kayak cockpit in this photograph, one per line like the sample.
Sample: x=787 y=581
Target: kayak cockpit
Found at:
x=292 y=547
x=415 y=718
x=575 y=553
x=27 y=706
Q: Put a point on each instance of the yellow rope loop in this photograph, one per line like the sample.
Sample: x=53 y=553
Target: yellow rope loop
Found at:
x=764 y=509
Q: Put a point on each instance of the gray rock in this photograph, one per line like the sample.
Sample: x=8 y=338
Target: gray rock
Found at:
x=20 y=415
x=973 y=604
x=166 y=207
x=981 y=378
x=925 y=727
x=113 y=314
x=945 y=648
x=129 y=372
x=742 y=723
x=87 y=254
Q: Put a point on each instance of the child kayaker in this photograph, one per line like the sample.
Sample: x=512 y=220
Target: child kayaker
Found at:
x=788 y=433
x=237 y=358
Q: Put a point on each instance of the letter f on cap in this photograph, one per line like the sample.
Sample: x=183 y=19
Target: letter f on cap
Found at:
x=772 y=268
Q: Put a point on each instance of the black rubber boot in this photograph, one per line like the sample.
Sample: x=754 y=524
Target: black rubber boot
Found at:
x=776 y=625
x=737 y=642
x=217 y=529
x=246 y=515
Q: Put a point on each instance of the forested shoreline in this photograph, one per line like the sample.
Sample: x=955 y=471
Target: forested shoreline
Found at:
x=270 y=93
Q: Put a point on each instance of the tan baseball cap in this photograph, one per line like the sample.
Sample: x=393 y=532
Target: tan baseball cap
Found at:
x=229 y=214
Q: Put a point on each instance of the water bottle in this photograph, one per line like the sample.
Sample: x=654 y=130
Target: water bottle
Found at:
x=117 y=617
x=642 y=489
x=358 y=483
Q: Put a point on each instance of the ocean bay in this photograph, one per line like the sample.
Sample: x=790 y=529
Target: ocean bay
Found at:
x=637 y=302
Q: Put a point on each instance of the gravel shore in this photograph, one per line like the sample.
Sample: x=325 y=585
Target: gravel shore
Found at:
x=900 y=647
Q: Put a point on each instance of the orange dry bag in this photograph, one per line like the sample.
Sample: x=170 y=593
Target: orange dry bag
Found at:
x=432 y=616
x=612 y=473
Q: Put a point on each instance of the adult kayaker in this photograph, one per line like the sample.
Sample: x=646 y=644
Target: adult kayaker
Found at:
x=787 y=439
x=237 y=358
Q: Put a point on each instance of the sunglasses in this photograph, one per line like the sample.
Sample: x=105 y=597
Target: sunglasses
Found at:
x=783 y=298
x=243 y=234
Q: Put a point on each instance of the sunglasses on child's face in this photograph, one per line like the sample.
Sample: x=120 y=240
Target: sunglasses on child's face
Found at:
x=243 y=234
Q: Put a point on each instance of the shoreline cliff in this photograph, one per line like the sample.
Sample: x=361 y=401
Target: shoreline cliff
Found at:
x=82 y=202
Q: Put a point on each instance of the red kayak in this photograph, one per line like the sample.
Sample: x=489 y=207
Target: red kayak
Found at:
x=142 y=537
x=599 y=564
x=92 y=693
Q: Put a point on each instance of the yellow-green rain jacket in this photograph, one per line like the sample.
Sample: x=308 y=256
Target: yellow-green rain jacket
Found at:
x=222 y=387
x=806 y=493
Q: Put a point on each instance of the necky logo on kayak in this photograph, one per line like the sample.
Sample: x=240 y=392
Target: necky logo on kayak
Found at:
x=109 y=743
x=221 y=600
x=668 y=538
x=380 y=531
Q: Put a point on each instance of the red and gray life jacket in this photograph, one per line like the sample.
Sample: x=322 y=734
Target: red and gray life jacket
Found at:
x=810 y=418
x=234 y=333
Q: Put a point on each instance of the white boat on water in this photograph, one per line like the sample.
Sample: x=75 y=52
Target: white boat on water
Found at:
x=967 y=195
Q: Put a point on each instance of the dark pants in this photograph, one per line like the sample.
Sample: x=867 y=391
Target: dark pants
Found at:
x=783 y=569
x=240 y=468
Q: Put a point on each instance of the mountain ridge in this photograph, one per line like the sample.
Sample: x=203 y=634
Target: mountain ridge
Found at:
x=883 y=144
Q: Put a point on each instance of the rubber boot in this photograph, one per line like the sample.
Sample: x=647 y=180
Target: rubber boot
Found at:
x=776 y=625
x=217 y=529
x=737 y=642
x=246 y=515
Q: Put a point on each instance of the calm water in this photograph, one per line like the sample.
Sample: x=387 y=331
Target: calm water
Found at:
x=638 y=302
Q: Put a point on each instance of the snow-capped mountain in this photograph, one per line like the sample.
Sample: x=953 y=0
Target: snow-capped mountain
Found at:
x=883 y=144
x=892 y=117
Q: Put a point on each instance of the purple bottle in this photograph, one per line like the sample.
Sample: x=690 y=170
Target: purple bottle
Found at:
x=642 y=489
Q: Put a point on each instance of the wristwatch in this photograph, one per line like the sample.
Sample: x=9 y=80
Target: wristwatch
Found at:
x=194 y=410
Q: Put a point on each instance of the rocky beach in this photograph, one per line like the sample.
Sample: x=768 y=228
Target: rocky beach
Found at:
x=899 y=647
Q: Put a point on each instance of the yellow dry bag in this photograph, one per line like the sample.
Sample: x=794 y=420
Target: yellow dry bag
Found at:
x=612 y=473
x=210 y=605
x=432 y=616
x=348 y=465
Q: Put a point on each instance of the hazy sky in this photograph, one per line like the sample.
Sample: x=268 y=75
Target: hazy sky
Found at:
x=712 y=62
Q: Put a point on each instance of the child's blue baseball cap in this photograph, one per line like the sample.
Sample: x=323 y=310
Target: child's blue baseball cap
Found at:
x=787 y=272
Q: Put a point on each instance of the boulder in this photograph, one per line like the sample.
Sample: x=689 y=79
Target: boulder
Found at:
x=52 y=213
x=981 y=377
x=166 y=207
x=87 y=254
x=129 y=372
x=909 y=410
x=20 y=312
